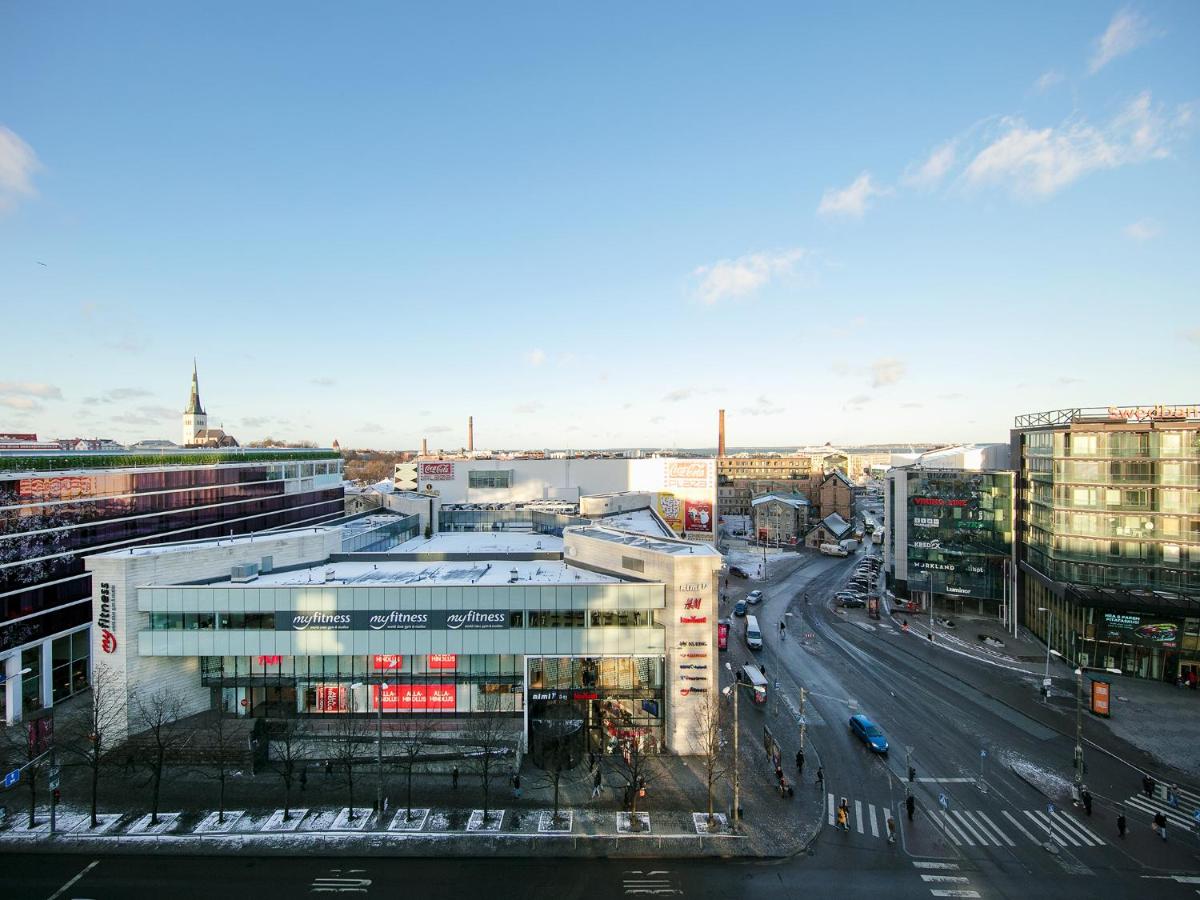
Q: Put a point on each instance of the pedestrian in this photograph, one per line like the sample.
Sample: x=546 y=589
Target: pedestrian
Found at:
x=596 y=784
x=591 y=760
x=778 y=772
x=1148 y=786
x=1172 y=797
x=1086 y=796
x=328 y=769
x=910 y=805
x=516 y=786
x=303 y=779
x=454 y=778
x=762 y=669
x=844 y=813
x=1160 y=825
x=1121 y=824
x=891 y=829
x=799 y=763
x=820 y=776
x=841 y=819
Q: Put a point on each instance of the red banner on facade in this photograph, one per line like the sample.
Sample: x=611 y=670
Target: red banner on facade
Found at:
x=331 y=698
x=443 y=660
x=416 y=697
x=387 y=661
x=265 y=661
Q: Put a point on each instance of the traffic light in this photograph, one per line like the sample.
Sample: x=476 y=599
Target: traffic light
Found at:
x=57 y=794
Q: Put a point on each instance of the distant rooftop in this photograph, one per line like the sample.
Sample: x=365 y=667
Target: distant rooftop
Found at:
x=641 y=521
x=658 y=545
x=18 y=462
x=795 y=499
x=425 y=574
x=482 y=543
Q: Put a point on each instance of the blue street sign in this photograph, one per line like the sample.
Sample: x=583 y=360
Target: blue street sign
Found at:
x=12 y=778
x=983 y=754
x=1050 y=808
x=1196 y=816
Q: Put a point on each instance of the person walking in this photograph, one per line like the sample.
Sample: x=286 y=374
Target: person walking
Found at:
x=820 y=776
x=910 y=806
x=782 y=630
x=516 y=786
x=596 y=784
x=1121 y=824
x=1160 y=825
x=454 y=778
x=799 y=763
x=1172 y=797
x=328 y=769
x=1086 y=796
x=1148 y=786
x=841 y=819
x=891 y=823
x=844 y=813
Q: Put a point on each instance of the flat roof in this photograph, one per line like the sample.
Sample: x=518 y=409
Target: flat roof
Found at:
x=265 y=538
x=426 y=574
x=672 y=546
x=641 y=521
x=482 y=543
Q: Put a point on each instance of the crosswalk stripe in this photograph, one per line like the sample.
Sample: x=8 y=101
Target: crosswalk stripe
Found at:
x=950 y=834
x=967 y=825
x=831 y=812
x=1042 y=825
x=954 y=893
x=1173 y=816
x=946 y=879
x=874 y=825
x=979 y=812
x=858 y=818
x=926 y=864
x=1069 y=826
x=981 y=828
x=1087 y=831
x=952 y=824
x=1019 y=826
x=1057 y=832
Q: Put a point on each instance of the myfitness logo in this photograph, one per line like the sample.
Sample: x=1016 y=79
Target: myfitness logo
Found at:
x=474 y=618
x=395 y=619
x=106 y=620
x=334 y=621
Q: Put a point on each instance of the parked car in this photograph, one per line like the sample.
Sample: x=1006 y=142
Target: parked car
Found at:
x=869 y=733
x=738 y=572
x=739 y=608
x=853 y=602
x=754 y=598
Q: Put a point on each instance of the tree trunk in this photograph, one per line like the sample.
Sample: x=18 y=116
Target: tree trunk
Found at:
x=157 y=774
x=221 y=797
x=32 y=798
x=350 y=787
x=95 y=786
x=408 y=815
x=486 y=780
x=710 y=804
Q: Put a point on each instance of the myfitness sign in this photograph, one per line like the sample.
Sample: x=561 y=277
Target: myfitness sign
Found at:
x=394 y=620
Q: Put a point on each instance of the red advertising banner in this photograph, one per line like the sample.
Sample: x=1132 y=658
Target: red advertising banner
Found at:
x=443 y=660
x=435 y=471
x=416 y=697
x=387 y=661
x=331 y=698
x=265 y=661
x=698 y=515
x=1100 y=698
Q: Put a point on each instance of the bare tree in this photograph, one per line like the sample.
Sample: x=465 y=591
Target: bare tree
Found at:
x=411 y=737
x=558 y=762
x=221 y=744
x=350 y=732
x=157 y=714
x=285 y=756
x=632 y=761
x=100 y=722
x=487 y=734
x=713 y=757
x=23 y=746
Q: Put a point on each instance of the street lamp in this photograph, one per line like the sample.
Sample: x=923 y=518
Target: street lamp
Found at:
x=1046 y=677
x=731 y=690
x=378 y=747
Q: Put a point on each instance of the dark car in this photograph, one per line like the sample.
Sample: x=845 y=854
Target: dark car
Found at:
x=852 y=602
x=869 y=733
x=738 y=572
x=739 y=608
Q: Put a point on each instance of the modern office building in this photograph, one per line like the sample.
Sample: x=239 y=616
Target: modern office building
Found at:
x=948 y=538
x=608 y=630
x=56 y=506
x=1108 y=541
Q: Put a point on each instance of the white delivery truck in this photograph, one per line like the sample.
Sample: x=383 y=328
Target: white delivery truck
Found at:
x=834 y=550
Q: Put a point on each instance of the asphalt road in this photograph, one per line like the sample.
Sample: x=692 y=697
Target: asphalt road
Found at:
x=947 y=709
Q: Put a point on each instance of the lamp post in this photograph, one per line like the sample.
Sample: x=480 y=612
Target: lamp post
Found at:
x=931 y=604
x=378 y=747
x=1046 y=676
x=737 y=788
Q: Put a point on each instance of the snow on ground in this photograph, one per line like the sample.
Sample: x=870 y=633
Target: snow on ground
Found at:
x=750 y=559
x=1049 y=783
x=401 y=822
x=210 y=825
x=276 y=822
x=166 y=821
x=495 y=818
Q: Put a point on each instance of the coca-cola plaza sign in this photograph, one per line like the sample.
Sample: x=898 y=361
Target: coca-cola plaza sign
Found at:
x=436 y=471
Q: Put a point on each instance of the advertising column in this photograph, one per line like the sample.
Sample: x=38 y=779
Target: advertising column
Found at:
x=691 y=639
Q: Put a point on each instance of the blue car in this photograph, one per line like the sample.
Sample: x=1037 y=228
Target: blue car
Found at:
x=739 y=608
x=868 y=732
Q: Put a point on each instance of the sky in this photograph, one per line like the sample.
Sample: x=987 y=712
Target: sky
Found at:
x=593 y=225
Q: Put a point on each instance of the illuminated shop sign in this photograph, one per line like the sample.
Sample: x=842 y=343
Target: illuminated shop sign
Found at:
x=1148 y=413
x=937 y=501
x=415 y=697
x=387 y=661
x=922 y=522
x=106 y=620
x=394 y=620
x=442 y=660
x=436 y=471
x=693 y=620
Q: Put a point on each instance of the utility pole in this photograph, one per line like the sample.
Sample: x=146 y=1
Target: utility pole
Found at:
x=737 y=792
x=803 y=723
x=379 y=754
x=1078 y=733
x=931 y=604
x=1049 y=632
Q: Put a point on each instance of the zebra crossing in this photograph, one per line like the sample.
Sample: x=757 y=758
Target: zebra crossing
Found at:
x=976 y=828
x=1181 y=816
x=943 y=879
x=864 y=817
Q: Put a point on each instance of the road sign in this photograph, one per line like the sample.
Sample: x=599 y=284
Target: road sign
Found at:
x=983 y=754
x=1196 y=816
x=54 y=782
x=55 y=771
x=1050 y=808
x=12 y=778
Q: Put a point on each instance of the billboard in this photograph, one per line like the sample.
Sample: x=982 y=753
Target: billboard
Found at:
x=415 y=697
x=690 y=473
x=435 y=471
x=1144 y=631
x=330 y=698
x=442 y=660
x=389 y=661
x=670 y=508
x=698 y=515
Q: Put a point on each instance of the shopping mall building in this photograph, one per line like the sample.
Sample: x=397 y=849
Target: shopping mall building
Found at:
x=56 y=506
x=1108 y=544
x=609 y=630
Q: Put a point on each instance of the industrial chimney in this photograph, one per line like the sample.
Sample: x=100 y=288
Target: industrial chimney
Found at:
x=470 y=434
x=721 y=432
x=424 y=446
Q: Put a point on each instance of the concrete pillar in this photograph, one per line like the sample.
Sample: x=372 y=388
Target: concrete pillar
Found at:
x=12 y=688
x=47 y=673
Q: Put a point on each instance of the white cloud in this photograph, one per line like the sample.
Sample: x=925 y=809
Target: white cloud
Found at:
x=1192 y=334
x=18 y=162
x=931 y=172
x=886 y=371
x=1143 y=230
x=322 y=382
x=371 y=428
x=679 y=394
x=530 y=407
x=438 y=429
x=32 y=389
x=853 y=200
x=535 y=357
x=1048 y=80
x=762 y=407
x=1125 y=33
x=746 y=274
x=1039 y=162
x=857 y=402
x=657 y=420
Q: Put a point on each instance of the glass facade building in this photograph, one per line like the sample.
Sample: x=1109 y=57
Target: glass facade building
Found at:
x=1109 y=545
x=57 y=507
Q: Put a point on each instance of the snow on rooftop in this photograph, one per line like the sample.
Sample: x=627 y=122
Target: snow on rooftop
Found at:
x=421 y=574
x=673 y=546
x=263 y=537
x=641 y=521
x=482 y=542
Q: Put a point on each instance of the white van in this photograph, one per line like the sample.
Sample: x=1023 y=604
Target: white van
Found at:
x=834 y=550
x=753 y=635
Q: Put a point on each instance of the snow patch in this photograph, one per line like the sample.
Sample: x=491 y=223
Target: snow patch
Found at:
x=343 y=822
x=210 y=824
x=547 y=824
x=276 y=822
x=495 y=818
x=625 y=823
x=401 y=822
x=700 y=820
x=166 y=821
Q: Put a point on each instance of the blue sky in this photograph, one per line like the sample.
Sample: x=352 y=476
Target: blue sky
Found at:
x=596 y=226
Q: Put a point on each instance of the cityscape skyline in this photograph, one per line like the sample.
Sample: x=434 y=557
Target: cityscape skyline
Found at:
x=927 y=268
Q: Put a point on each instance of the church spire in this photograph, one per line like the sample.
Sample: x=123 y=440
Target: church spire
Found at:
x=194 y=407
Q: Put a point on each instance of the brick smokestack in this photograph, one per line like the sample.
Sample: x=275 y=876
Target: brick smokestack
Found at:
x=470 y=433
x=424 y=446
x=721 y=432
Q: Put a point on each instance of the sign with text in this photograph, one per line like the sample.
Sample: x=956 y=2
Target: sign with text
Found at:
x=394 y=620
x=442 y=660
x=436 y=471
x=330 y=698
x=415 y=697
x=689 y=473
x=1100 y=697
x=387 y=661
x=698 y=515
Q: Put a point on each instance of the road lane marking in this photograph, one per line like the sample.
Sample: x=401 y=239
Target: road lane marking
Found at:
x=858 y=816
x=831 y=810
x=967 y=825
x=946 y=780
x=952 y=824
x=874 y=825
x=946 y=879
x=954 y=892
x=981 y=828
x=1173 y=816
x=926 y=864
x=1072 y=826
x=66 y=887
x=1019 y=826
x=1058 y=833
x=995 y=828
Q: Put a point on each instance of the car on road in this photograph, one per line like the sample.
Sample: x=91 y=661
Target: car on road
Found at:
x=754 y=598
x=852 y=602
x=869 y=733
x=739 y=608
x=738 y=572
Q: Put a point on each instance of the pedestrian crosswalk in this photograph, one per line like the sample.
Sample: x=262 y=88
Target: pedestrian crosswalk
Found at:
x=1182 y=814
x=944 y=879
x=977 y=828
x=862 y=816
